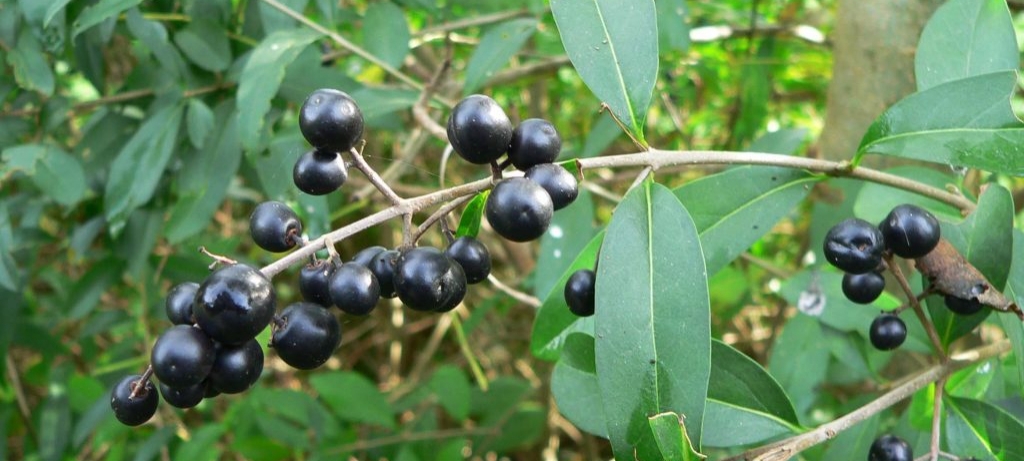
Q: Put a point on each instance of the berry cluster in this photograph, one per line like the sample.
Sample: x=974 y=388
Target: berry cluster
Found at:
x=858 y=248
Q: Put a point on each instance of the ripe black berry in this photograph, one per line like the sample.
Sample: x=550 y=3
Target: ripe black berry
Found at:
x=863 y=288
x=383 y=268
x=313 y=282
x=428 y=280
x=910 y=231
x=534 y=141
x=306 y=335
x=331 y=120
x=473 y=256
x=178 y=304
x=854 y=246
x=183 y=397
x=275 y=227
x=182 y=356
x=579 y=292
x=319 y=172
x=519 y=209
x=354 y=289
x=234 y=304
x=129 y=411
x=963 y=306
x=365 y=256
x=237 y=368
x=887 y=332
x=560 y=184
x=890 y=448
x=479 y=130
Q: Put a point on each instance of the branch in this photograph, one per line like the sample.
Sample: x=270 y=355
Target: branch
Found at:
x=483 y=20
x=788 y=448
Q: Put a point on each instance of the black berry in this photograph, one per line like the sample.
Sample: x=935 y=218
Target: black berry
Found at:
x=274 y=227
x=234 y=304
x=306 y=335
x=963 y=306
x=579 y=292
x=331 y=120
x=365 y=256
x=133 y=411
x=887 y=332
x=890 y=448
x=473 y=256
x=863 y=288
x=237 y=368
x=479 y=130
x=519 y=209
x=534 y=141
x=319 y=172
x=314 y=282
x=428 y=280
x=354 y=289
x=183 y=397
x=383 y=268
x=182 y=356
x=910 y=231
x=854 y=246
x=178 y=304
x=559 y=183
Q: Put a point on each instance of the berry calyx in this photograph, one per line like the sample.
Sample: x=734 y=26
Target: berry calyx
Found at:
x=133 y=411
x=178 y=304
x=428 y=280
x=534 y=141
x=962 y=306
x=910 y=231
x=182 y=356
x=319 y=172
x=863 y=288
x=519 y=209
x=234 y=304
x=579 y=292
x=854 y=246
x=354 y=289
x=237 y=368
x=479 y=130
x=559 y=183
x=275 y=227
x=314 y=282
x=473 y=256
x=887 y=332
x=306 y=335
x=330 y=119
x=890 y=448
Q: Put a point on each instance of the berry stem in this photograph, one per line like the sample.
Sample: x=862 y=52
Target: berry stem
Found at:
x=439 y=215
x=139 y=385
x=360 y=163
x=474 y=364
x=936 y=419
x=496 y=171
x=217 y=259
x=912 y=299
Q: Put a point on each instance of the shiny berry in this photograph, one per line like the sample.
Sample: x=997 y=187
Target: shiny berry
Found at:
x=479 y=130
x=178 y=304
x=237 y=368
x=331 y=120
x=854 y=246
x=963 y=306
x=473 y=256
x=365 y=256
x=306 y=335
x=559 y=183
x=313 y=282
x=383 y=268
x=182 y=356
x=887 y=332
x=579 y=292
x=133 y=411
x=354 y=289
x=275 y=227
x=910 y=231
x=234 y=304
x=890 y=448
x=534 y=141
x=319 y=172
x=863 y=288
x=519 y=209
x=428 y=280
x=183 y=397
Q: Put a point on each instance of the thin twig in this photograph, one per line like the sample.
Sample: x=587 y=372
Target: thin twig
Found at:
x=933 y=336
x=360 y=163
x=85 y=106
x=936 y=419
x=19 y=397
x=474 y=21
x=520 y=296
x=438 y=215
x=467 y=352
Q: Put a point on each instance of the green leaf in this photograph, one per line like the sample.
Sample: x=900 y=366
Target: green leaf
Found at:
x=205 y=44
x=673 y=27
x=570 y=230
x=201 y=444
x=452 y=390
x=875 y=201
x=1013 y=327
x=262 y=76
x=496 y=48
x=386 y=33
x=85 y=293
x=101 y=11
x=785 y=142
x=738 y=380
x=54 y=426
x=378 y=104
x=199 y=122
x=31 y=70
x=554 y=322
x=58 y=174
x=798 y=360
x=670 y=439
x=727 y=425
x=856 y=439
x=469 y=223
x=613 y=44
x=965 y=38
x=652 y=320
x=574 y=385
x=140 y=164
x=352 y=397
x=980 y=429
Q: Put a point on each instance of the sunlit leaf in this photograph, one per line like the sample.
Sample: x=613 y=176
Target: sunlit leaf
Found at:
x=965 y=38
x=496 y=47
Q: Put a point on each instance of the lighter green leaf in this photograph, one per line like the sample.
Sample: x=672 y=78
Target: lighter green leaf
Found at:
x=1013 y=327
x=101 y=11
x=671 y=439
x=727 y=425
x=980 y=429
x=469 y=223
x=570 y=230
x=965 y=38
x=613 y=44
x=31 y=70
x=354 y=398
x=386 y=33
x=875 y=201
x=199 y=122
x=738 y=380
x=673 y=26
x=452 y=390
x=496 y=47
x=574 y=385
x=206 y=44
x=58 y=174
x=554 y=322
x=856 y=439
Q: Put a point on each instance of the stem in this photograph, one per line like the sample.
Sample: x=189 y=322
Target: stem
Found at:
x=524 y=298
x=141 y=384
x=474 y=365
x=936 y=420
x=360 y=163
x=471 y=22
x=120 y=97
x=787 y=448
x=933 y=336
x=439 y=215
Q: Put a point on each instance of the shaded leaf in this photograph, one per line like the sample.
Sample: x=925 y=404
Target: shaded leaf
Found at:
x=101 y=11
x=574 y=385
x=554 y=321
x=570 y=230
x=856 y=439
x=352 y=397
x=798 y=361
x=785 y=142
x=738 y=380
x=1013 y=327
x=386 y=33
x=727 y=425
x=452 y=390
x=199 y=122
x=58 y=174
x=875 y=201
x=965 y=38
x=201 y=444
x=205 y=44
x=496 y=48
x=673 y=25
x=31 y=70
x=469 y=223
x=980 y=429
